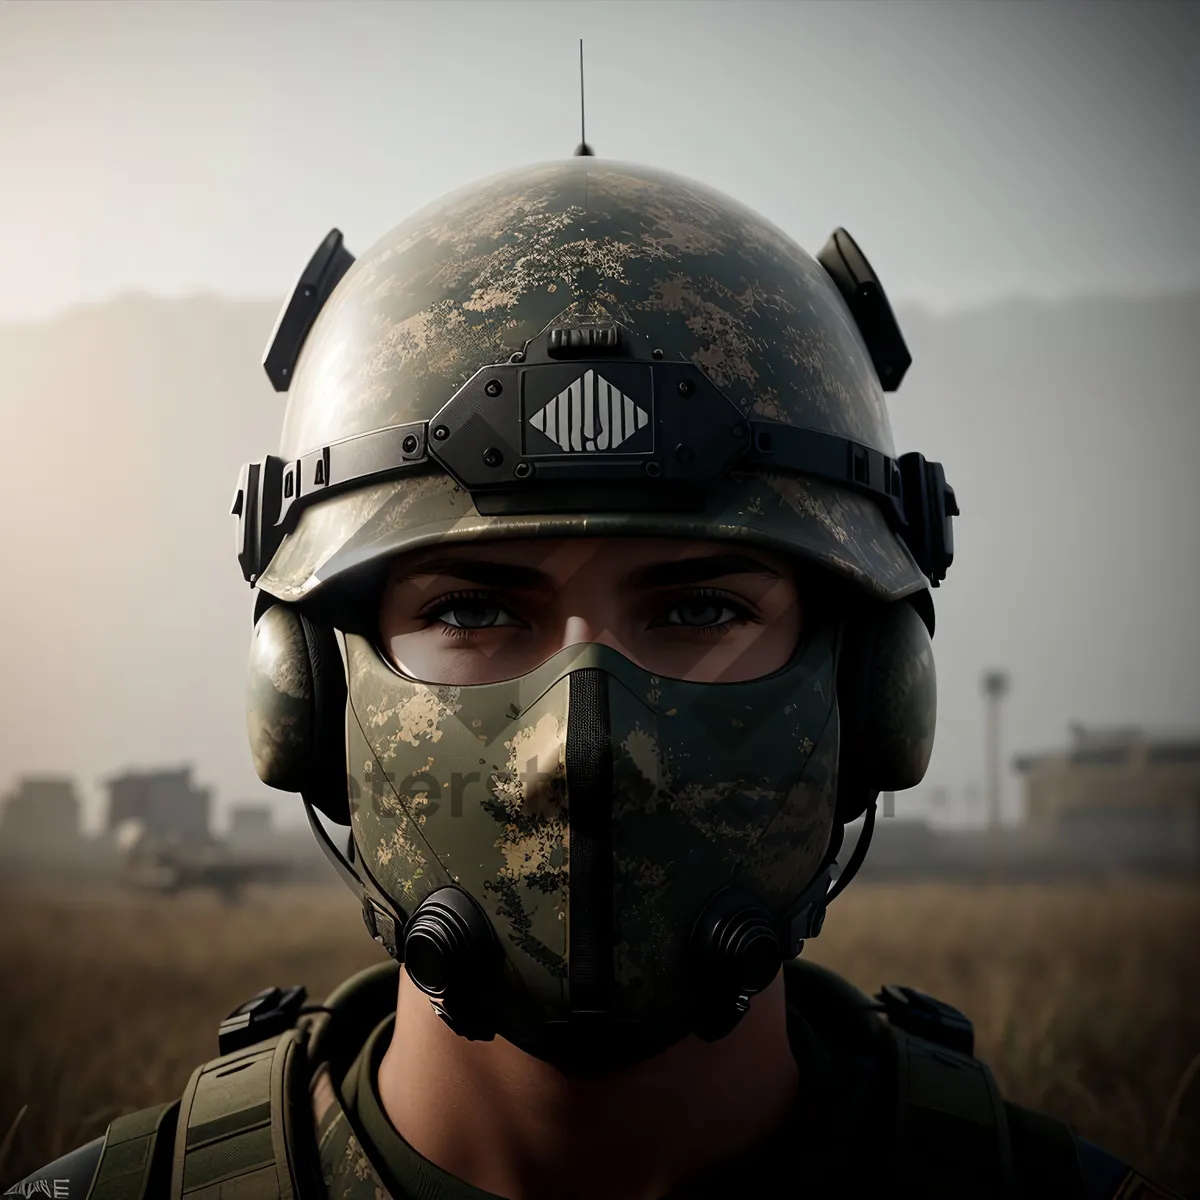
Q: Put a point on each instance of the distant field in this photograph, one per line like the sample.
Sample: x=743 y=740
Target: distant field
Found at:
x=1084 y=998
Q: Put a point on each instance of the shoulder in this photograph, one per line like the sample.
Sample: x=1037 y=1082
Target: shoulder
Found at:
x=246 y=1117
x=949 y=1120
x=66 y=1178
x=131 y=1160
x=1052 y=1160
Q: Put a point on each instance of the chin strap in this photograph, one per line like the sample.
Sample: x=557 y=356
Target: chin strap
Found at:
x=856 y=858
x=384 y=921
x=808 y=913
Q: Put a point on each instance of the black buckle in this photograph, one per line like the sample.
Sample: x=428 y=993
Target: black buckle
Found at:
x=807 y=915
x=929 y=505
x=927 y=1018
x=256 y=505
x=382 y=927
x=271 y=1012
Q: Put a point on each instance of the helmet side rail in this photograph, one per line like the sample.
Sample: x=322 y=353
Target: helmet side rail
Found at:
x=644 y=436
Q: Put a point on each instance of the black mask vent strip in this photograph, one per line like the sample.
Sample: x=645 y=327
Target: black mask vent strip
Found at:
x=589 y=806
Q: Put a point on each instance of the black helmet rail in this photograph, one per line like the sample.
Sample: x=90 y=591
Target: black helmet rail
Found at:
x=581 y=421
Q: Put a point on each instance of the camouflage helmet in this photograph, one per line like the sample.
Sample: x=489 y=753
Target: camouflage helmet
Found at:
x=468 y=282
x=583 y=348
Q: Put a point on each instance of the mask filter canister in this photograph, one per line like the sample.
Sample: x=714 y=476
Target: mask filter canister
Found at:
x=450 y=953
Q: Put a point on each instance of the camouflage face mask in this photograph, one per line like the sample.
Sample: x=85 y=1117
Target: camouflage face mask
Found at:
x=591 y=810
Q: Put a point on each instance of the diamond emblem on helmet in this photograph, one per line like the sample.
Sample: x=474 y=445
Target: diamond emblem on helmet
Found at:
x=590 y=415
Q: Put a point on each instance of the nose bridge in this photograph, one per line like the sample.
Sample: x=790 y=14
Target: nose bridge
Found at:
x=581 y=658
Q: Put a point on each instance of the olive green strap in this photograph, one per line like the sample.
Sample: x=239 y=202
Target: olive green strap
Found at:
x=135 y=1163
x=952 y=1128
x=241 y=1133
x=1046 y=1155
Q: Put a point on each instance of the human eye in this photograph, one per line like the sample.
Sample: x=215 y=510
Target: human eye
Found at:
x=468 y=612
x=706 y=610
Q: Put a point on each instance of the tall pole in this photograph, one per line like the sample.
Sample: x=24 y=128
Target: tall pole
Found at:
x=995 y=688
x=583 y=147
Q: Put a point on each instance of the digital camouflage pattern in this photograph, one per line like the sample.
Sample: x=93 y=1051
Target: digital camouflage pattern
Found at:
x=471 y=278
x=712 y=784
x=346 y=1170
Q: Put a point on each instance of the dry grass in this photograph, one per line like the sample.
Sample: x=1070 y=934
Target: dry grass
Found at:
x=1083 y=997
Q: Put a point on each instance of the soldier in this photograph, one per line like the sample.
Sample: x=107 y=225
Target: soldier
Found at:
x=592 y=597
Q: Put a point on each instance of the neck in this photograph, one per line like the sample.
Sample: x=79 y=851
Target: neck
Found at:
x=510 y=1124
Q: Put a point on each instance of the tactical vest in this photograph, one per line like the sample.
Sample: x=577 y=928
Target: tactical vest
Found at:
x=244 y=1128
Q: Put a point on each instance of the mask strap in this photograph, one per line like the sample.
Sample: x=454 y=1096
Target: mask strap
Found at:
x=856 y=858
x=384 y=922
x=808 y=913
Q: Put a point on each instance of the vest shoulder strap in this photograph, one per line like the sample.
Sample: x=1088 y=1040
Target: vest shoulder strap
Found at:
x=135 y=1161
x=952 y=1135
x=245 y=1126
x=957 y=1136
x=1046 y=1154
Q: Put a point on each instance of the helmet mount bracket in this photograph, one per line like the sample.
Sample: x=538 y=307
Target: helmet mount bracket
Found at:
x=868 y=303
x=587 y=418
x=314 y=287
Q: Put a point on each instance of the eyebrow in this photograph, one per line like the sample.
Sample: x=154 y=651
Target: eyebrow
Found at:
x=696 y=570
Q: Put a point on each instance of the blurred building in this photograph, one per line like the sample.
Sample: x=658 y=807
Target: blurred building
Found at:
x=896 y=845
x=256 y=836
x=168 y=804
x=251 y=823
x=1119 y=795
x=41 y=814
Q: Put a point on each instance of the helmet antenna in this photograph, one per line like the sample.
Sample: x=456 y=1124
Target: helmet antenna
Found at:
x=583 y=148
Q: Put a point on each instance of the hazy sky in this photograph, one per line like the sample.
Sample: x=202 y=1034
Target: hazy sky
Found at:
x=974 y=150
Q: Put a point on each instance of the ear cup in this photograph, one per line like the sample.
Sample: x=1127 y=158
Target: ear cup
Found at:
x=903 y=700
x=887 y=704
x=296 y=709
